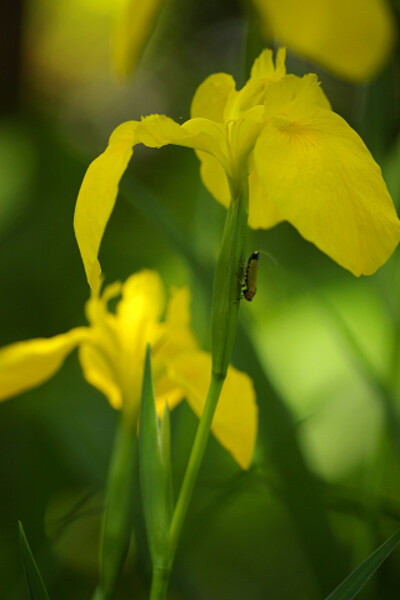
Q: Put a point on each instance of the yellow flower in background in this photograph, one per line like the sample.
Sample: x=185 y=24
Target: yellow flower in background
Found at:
x=112 y=351
x=351 y=38
x=135 y=21
x=302 y=162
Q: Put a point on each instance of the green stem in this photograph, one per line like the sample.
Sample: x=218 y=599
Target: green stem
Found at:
x=159 y=583
x=195 y=459
x=225 y=310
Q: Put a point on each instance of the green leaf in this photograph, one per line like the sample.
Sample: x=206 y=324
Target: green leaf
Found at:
x=155 y=474
x=33 y=578
x=350 y=587
x=118 y=514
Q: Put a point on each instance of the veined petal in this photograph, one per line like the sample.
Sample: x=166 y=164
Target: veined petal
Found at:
x=97 y=197
x=235 y=420
x=322 y=179
x=294 y=97
x=211 y=96
x=353 y=39
x=25 y=365
x=263 y=213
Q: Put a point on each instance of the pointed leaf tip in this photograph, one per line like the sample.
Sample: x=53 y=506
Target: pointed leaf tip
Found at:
x=154 y=470
x=350 y=587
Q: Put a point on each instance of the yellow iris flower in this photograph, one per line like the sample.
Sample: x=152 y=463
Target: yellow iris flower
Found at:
x=302 y=162
x=112 y=351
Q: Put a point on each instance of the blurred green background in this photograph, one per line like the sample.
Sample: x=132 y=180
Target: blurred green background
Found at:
x=322 y=347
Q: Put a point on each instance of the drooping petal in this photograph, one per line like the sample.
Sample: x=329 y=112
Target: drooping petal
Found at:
x=322 y=179
x=97 y=197
x=25 y=365
x=235 y=420
x=263 y=213
x=99 y=188
x=99 y=372
x=214 y=178
x=351 y=38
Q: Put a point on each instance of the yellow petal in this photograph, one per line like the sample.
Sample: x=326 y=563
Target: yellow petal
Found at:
x=178 y=309
x=264 y=68
x=322 y=179
x=99 y=188
x=352 y=38
x=138 y=315
x=293 y=97
x=25 y=365
x=134 y=24
x=97 y=197
x=175 y=337
x=263 y=213
x=211 y=96
x=235 y=420
x=98 y=372
x=166 y=391
x=214 y=178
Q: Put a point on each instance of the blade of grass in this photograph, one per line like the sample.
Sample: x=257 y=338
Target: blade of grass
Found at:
x=350 y=587
x=33 y=578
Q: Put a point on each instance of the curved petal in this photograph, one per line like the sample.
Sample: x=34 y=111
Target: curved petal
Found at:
x=25 y=365
x=99 y=188
x=97 y=197
x=235 y=420
x=211 y=96
x=98 y=372
x=323 y=180
x=214 y=178
x=353 y=39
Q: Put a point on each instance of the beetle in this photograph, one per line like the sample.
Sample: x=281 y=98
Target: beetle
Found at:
x=249 y=287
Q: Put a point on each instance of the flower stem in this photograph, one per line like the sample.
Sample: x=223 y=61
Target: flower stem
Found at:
x=195 y=459
x=225 y=310
x=159 y=583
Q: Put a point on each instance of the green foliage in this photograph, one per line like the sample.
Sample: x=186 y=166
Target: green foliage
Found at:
x=350 y=587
